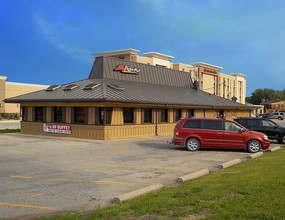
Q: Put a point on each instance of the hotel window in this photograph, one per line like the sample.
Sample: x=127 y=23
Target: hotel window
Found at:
x=24 y=113
x=79 y=115
x=128 y=114
x=146 y=115
x=39 y=114
x=58 y=114
x=105 y=116
x=177 y=114
x=163 y=115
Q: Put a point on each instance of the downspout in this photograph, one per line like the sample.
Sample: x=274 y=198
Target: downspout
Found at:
x=156 y=122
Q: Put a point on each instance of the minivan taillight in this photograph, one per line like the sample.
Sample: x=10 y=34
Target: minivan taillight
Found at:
x=177 y=133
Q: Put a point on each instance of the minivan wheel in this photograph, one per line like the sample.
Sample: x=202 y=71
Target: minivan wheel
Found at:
x=282 y=140
x=192 y=144
x=254 y=146
x=280 y=118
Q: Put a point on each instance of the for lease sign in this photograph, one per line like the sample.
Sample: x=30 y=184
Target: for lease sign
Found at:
x=54 y=128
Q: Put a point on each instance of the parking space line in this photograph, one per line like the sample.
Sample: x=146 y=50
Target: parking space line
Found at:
x=77 y=180
x=28 y=206
x=135 y=166
x=183 y=164
x=117 y=148
x=32 y=196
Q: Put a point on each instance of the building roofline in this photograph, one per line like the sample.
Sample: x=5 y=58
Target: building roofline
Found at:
x=117 y=52
x=25 y=84
x=207 y=64
x=238 y=74
x=158 y=55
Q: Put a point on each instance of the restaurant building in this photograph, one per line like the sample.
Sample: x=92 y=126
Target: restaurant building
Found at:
x=121 y=98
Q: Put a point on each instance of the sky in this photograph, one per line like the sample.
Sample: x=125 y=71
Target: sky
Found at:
x=51 y=41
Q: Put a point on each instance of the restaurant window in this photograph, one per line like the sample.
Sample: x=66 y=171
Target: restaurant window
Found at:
x=147 y=115
x=80 y=115
x=163 y=115
x=58 y=114
x=39 y=114
x=105 y=116
x=24 y=113
x=177 y=114
x=128 y=114
x=191 y=113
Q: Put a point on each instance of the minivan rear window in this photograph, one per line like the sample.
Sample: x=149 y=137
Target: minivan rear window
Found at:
x=213 y=125
x=192 y=124
x=177 y=124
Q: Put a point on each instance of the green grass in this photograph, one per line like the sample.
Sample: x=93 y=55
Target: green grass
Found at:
x=254 y=189
x=9 y=131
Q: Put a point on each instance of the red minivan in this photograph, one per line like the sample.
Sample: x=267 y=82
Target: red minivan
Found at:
x=194 y=133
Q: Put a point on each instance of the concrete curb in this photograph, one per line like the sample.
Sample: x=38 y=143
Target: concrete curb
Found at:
x=131 y=195
x=229 y=163
x=255 y=155
x=273 y=149
x=192 y=176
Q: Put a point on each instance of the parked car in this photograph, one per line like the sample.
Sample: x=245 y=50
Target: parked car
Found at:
x=266 y=126
x=277 y=115
x=266 y=115
x=194 y=133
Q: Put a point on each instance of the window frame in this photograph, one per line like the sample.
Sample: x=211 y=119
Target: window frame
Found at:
x=73 y=115
x=24 y=113
x=105 y=120
x=166 y=115
x=175 y=114
x=35 y=112
x=53 y=114
x=133 y=116
x=150 y=116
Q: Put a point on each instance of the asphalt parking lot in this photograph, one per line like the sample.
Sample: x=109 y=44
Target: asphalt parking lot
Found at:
x=41 y=175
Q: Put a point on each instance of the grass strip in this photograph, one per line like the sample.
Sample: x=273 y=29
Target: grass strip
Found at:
x=9 y=131
x=254 y=189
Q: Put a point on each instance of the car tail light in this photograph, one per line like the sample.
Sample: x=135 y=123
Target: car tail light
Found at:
x=177 y=133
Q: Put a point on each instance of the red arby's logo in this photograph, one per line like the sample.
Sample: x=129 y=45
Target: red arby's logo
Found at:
x=126 y=69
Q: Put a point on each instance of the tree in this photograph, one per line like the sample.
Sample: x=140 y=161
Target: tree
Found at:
x=260 y=95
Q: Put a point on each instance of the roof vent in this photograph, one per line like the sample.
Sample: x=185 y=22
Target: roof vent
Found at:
x=234 y=98
x=196 y=84
x=116 y=87
x=52 y=88
x=91 y=86
x=70 y=87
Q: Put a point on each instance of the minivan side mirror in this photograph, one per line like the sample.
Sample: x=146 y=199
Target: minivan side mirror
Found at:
x=241 y=130
x=276 y=126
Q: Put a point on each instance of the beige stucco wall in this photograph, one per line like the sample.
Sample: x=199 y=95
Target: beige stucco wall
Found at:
x=144 y=60
x=181 y=66
x=2 y=93
x=16 y=89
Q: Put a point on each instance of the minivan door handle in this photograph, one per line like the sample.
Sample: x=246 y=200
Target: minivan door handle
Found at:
x=227 y=133
x=220 y=133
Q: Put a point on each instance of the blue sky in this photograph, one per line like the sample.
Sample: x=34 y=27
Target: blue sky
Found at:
x=51 y=41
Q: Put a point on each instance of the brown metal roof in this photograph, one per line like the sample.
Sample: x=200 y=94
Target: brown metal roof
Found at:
x=133 y=92
x=152 y=85
x=104 y=68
